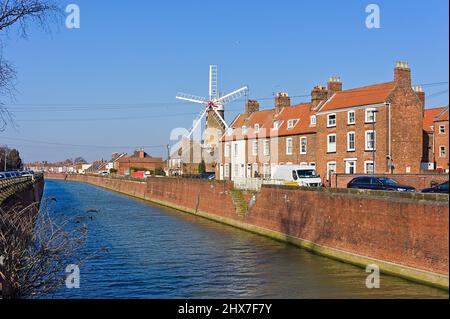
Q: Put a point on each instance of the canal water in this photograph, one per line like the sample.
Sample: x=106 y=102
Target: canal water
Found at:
x=155 y=252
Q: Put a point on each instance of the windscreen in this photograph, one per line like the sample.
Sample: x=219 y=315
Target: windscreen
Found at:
x=306 y=173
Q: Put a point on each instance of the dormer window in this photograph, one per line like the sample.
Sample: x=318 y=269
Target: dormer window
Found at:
x=313 y=120
x=276 y=125
x=244 y=129
x=291 y=124
x=256 y=128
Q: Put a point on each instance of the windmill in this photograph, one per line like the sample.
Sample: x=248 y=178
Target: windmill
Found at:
x=213 y=106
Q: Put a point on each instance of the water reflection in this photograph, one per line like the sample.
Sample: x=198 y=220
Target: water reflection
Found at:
x=156 y=252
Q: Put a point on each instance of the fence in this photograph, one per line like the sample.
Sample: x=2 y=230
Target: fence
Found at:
x=254 y=184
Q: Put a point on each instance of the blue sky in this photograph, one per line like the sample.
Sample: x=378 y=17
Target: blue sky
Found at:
x=121 y=70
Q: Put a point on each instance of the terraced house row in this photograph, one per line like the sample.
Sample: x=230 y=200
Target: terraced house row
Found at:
x=381 y=128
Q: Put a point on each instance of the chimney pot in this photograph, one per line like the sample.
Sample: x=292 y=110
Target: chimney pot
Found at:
x=282 y=100
x=251 y=106
x=334 y=85
x=402 y=74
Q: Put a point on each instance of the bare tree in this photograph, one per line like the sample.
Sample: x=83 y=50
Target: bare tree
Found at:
x=35 y=250
x=20 y=14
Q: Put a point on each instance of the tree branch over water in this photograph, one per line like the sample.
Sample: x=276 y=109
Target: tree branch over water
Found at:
x=36 y=249
x=19 y=15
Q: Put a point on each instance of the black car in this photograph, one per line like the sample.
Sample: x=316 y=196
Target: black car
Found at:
x=441 y=188
x=209 y=176
x=379 y=183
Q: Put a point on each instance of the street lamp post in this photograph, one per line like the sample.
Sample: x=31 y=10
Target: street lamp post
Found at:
x=374 y=112
x=6 y=152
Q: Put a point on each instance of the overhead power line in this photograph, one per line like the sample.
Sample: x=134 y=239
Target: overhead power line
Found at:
x=80 y=145
x=152 y=104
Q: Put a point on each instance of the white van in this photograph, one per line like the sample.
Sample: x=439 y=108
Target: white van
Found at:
x=302 y=175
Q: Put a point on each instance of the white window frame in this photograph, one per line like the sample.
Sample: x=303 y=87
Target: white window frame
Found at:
x=244 y=129
x=328 y=120
x=255 y=147
x=255 y=168
x=368 y=111
x=349 y=148
x=329 y=149
x=365 y=167
x=347 y=166
x=226 y=170
x=328 y=169
x=227 y=151
x=277 y=125
x=442 y=148
x=267 y=147
x=257 y=128
x=289 y=146
x=366 y=140
x=303 y=138
x=266 y=170
x=348 y=117
x=236 y=149
x=313 y=120
x=441 y=129
x=291 y=124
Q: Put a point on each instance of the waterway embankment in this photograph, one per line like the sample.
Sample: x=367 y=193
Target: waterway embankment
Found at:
x=406 y=235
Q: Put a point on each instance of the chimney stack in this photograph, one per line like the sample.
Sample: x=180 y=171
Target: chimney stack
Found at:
x=282 y=100
x=420 y=94
x=318 y=94
x=334 y=85
x=402 y=74
x=251 y=106
x=141 y=153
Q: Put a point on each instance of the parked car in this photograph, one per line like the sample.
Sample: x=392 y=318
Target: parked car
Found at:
x=209 y=176
x=379 y=183
x=26 y=174
x=103 y=173
x=441 y=188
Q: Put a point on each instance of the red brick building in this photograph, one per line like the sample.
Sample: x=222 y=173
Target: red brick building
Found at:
x=441 y=140
x=140 y=160
x=378 y=128
x=372 y=128
x=430 y=131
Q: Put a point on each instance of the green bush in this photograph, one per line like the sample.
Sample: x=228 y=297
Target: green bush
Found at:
x=159 y=171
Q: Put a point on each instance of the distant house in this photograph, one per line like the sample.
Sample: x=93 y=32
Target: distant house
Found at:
x=140 y=160
x=186 y=159
x=96 y=167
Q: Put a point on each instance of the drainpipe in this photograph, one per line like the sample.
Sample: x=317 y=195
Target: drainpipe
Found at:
x=390 y=137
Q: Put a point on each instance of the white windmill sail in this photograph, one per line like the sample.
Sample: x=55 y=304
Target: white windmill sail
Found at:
x=213 y=102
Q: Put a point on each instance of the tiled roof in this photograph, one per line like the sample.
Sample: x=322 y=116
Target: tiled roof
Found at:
x=443 y=116
x=302 y=114
x=266 y=118
x=429 y=116
x=140 y=160
x=368 y=95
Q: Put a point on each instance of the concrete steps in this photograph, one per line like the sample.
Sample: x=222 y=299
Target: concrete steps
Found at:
x=240 y=204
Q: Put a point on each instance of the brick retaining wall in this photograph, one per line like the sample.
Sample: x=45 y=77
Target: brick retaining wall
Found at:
x=406 y=234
